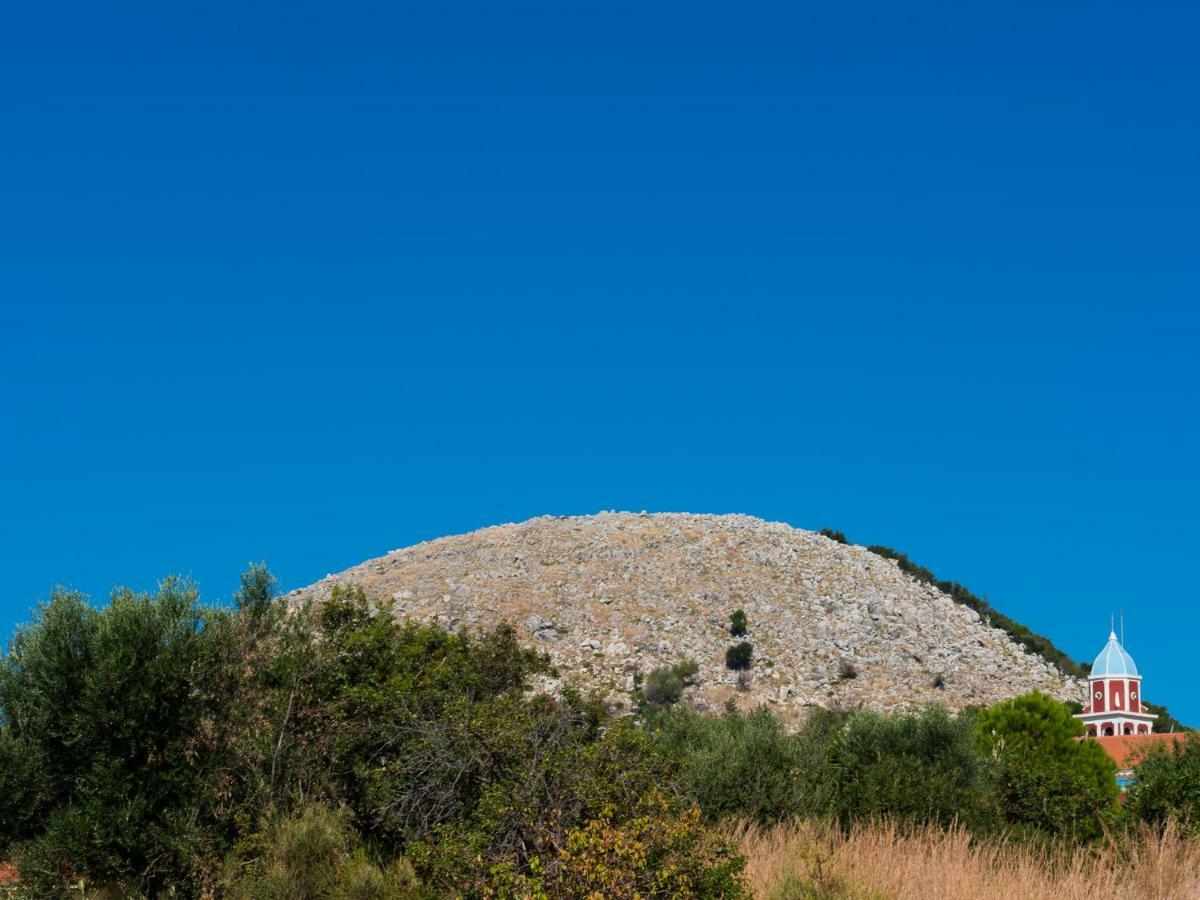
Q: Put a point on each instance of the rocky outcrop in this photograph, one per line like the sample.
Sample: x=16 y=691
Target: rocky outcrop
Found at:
x=610 y=595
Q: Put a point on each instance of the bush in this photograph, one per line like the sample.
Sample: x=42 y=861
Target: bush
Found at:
x=659 y=852
x=737 y=623
x=113 y=720
x=846 y=670
x=738 y=656
x=560 y=786
x=664 y=686
x=1167 y=786
x=820 y=885
x=687 y=669
x=834 y=535
x=812 y=741
x=734 y=765
x=1050 y=782
x=143 y=746
x=315 y=853
x=431 y=711
x=922 y=768
x=469 y=776
x=1165 y=722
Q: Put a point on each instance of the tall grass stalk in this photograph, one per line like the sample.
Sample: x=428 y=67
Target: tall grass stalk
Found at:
x=890 y=861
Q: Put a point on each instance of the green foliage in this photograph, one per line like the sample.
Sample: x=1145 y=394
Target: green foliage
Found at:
x=433 y=743
x=144 y=745
x=687 y=669
x=160 y=747
x=315 y=853
x=658 y=852
x=848 y=767
x=113 y=718
x=560 y=774
x=922 y=768
x=737 y=623
x=257 y=590
x=1049 y=781
x=1033 y=722
x=739 y=656
x=664 y=686
x=809 y=878
x=1165 y=722
x=797 y=887
x=834 y=535
x=736 y=765
x=431 y=711
x=1167 y=786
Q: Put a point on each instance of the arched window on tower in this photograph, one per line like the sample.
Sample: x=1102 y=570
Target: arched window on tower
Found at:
x=1091 y=731
x=1108 y=731
x=1128 y=728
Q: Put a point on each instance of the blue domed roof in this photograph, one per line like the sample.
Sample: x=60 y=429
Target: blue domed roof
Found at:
x=1113 y=660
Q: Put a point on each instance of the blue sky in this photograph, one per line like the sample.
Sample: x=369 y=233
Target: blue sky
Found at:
x=308 y=282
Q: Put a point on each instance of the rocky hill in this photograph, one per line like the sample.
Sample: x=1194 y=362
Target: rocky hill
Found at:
x=617 y=593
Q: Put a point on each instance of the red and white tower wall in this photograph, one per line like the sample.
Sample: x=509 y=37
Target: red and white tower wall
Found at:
x=1115 y=695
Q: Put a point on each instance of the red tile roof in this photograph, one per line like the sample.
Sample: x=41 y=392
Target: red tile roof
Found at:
x=1128 y=749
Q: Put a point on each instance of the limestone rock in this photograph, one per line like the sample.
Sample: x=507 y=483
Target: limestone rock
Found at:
x=615 y=593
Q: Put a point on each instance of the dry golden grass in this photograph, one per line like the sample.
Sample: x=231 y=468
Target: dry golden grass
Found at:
x=891 y=862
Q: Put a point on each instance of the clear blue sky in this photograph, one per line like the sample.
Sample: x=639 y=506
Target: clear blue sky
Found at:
x=307 y=282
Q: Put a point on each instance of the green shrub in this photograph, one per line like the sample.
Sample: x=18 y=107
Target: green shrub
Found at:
x=921 y=768
x=657 y=852
x=315 y=853
x=431 y=711
x=834 y=535
x=1167 y=785
x=557 y=782
x=737 y=623
x=1165 y=722
x=738 y=657
x=687 y=669
x=113 y=717
x=664 y=686
x=818 y=886
x=1050 y=783
x=142 y=746
x=733 y=765
x=469 y=776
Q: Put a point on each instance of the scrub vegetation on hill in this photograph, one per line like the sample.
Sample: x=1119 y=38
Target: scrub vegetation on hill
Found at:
x=1030 y=640
x=1034 y=643
x=161 y=747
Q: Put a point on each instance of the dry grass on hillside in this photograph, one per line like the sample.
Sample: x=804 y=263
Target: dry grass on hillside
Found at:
x=803 y=860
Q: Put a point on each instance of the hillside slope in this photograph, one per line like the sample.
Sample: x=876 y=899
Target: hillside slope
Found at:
x=616 y=593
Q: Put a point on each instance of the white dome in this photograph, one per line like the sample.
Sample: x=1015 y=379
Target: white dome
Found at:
x=1113 y=660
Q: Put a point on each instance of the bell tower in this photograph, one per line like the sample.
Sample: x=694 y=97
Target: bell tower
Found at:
x=1115 y=695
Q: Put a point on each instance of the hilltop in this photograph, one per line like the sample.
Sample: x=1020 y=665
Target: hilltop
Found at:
x=614 y=594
